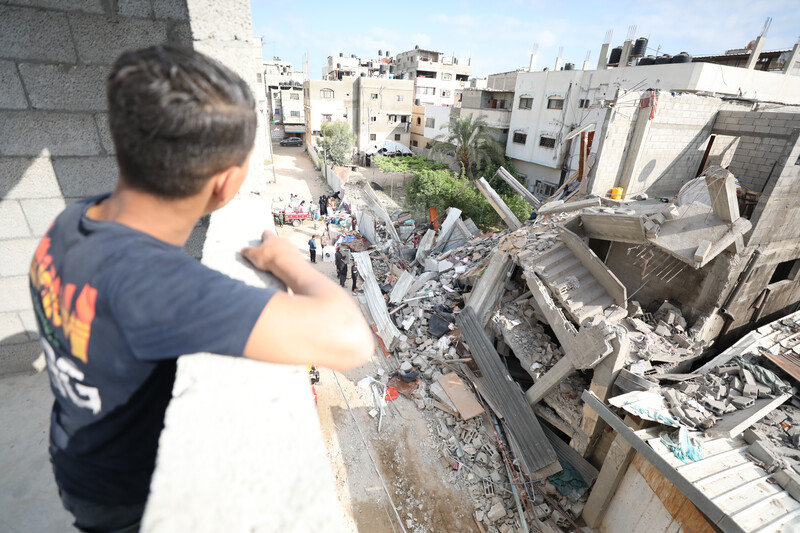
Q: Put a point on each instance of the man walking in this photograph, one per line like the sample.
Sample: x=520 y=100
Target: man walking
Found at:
x=354 y=275
x=341 y=267
x=312 y=249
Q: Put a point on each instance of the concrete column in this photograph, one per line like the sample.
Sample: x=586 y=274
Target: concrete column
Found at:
x=755 y=52
x=532 y=65
x=627 y=46
x=585 y=65
x=498 y=204
x=792 y=59
x=602 y=61
x=558 y=64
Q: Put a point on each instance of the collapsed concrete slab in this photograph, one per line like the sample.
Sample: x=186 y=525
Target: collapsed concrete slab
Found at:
x=424 y=247
x=487 y=293
x=375 y=204
x=401 y=288
x=722 y=190
x=518 y=187
x=453 y=214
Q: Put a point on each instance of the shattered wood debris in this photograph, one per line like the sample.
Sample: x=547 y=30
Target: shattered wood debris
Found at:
x=558 y=322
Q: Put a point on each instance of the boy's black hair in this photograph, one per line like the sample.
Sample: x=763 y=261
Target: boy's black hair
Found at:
x=177 y=117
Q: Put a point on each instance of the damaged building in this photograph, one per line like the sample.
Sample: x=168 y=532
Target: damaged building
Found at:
x=624 y=296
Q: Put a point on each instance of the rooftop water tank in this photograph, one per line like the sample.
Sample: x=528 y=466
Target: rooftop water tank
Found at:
x=341 y=54
x=383 y=68
x=683 y=57
x=387 y=53
x=663 y=60
x=569 y=66
x=639 y=47
x=391 y=69
x=338 y=65
x=380 y=53
x=649 y=60
x=353 y=56
x=616 y=54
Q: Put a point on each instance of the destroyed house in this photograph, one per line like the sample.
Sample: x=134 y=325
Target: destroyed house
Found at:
x=674 y=239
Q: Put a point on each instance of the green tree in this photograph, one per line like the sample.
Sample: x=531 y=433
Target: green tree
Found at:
x=337 y=141
x=472 y=143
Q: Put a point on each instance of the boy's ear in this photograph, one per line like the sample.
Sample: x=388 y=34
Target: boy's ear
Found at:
x=227 y=183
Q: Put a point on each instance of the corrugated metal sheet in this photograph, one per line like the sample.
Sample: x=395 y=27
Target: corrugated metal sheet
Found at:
x=738 y=486
x=375 y=302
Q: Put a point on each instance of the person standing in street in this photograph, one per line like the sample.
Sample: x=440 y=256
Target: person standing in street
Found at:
x=354 y=275
x=312 y=249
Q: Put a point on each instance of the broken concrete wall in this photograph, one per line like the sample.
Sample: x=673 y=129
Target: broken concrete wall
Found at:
x=662 y=278
x=55 y=146
x=762 y=138
x=669 y=147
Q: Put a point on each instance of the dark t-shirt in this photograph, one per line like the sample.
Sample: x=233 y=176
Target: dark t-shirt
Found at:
x=115 y=308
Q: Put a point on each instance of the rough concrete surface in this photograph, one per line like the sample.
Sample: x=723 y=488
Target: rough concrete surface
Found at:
x=28 y=496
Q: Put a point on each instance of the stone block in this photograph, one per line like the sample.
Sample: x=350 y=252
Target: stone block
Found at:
x=236 y=55
x=496 y=512
x=173 y=10
x=33 y=34
x=40 y=213
x=13 y=95
x=86 y=176
x=101 y=42
x=14 y=294
x=222 y=21
x=28 y=133
x=12 y=330
x=137 y=8
x=67 y=87
x=86 y=6
x=13 y=220
x=16 y=254
x=25 y=177
x=105 y=133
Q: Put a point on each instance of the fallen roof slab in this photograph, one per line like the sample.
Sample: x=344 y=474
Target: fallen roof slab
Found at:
x=498 y=204
x=557 y=206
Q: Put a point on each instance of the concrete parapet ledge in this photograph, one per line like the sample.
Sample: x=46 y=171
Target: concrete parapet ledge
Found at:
x=241 y=449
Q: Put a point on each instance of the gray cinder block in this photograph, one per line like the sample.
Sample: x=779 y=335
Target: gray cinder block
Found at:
x=72 y=88
x=99 y=42
x=28 y=177
x=40 y=213
x=27 y=133
x=35 y=34
x=12 y=96
x=86 y=176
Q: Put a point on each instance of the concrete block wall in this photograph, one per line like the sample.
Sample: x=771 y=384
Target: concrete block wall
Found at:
x=762 y=137
x=672 y=149
x=55 y=145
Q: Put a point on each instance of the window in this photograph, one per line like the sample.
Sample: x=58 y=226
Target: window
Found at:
x=295 y=113
x=445 y=94
x=392 y=118
x=326 y=93
x=430 y=122
x=373 y=96
x=525 y=103
x=294 y=96
x=547 y=142
x=403 y=119
x=396 y=136
x=786 y=270
x=373 y=137
x=419 y=121
x=373 y=119
x=555 y=103
x=259 y=77
x=520 y=138
x=426 y=90
x=447 y=76
x=543 y=189
x=583 y=103
x=399 y=97
x=327 y=118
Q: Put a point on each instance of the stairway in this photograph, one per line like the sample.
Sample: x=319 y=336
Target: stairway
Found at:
x=571 y=283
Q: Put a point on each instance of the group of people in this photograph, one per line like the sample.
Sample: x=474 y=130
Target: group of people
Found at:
x=339 y=260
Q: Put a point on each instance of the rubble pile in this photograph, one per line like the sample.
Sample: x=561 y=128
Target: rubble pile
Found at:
x=558 y=310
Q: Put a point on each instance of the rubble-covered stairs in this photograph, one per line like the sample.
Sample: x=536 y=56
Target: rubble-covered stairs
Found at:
x=572 y=283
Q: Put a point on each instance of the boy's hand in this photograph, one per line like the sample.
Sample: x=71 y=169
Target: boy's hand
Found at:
x=271 y=250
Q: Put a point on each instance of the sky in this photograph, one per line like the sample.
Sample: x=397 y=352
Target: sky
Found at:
x=499 y=35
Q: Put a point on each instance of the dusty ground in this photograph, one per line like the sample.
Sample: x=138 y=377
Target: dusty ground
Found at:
x=422 y=488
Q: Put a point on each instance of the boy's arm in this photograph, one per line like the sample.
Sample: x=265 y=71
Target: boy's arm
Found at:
x=318 y=324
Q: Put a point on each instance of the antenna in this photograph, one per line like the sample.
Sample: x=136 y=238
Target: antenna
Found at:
x=631 y=32
x=767 y=24
x=609 y=35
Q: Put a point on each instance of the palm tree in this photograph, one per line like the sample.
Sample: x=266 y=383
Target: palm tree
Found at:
x=469 y=138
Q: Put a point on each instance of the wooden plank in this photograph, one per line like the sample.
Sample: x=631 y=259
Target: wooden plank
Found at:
x=734 y=423
x=536 y=452
x=461 y=396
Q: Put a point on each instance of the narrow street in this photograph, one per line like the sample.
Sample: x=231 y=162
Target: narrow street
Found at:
x=402 y=458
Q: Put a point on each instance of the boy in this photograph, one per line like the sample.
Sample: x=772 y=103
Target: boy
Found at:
x=117 y=300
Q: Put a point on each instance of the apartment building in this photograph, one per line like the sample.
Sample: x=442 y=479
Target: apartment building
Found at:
x=377 y=109
x=494 y=101
x=283 y=87
x=438 y=80
x=341 y=67
x=548 y=105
